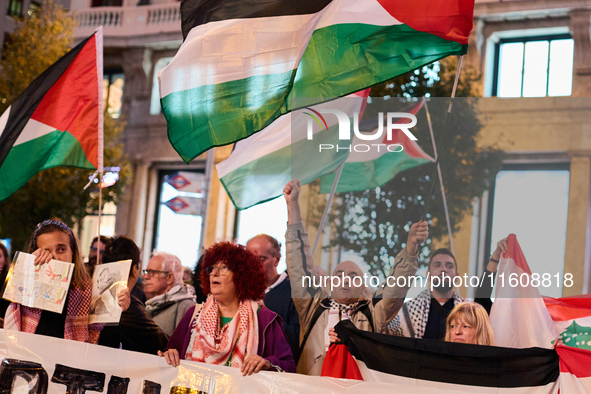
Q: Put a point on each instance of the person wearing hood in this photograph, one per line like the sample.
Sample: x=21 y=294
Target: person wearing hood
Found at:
x=164 y=278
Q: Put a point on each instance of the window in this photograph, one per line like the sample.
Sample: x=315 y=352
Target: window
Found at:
x=532 y=203
x=107 y=3
x=15 y=8
x=34 y=9
x=155 y=107
x=534 y=66
x=179 y=214
x=113 y=82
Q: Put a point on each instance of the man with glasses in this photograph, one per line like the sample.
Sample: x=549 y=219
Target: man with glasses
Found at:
x=278 y=294
x=97 y=245
x=172 y=298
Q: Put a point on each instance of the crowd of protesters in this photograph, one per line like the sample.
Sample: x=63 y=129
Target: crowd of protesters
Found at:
x=236 y=309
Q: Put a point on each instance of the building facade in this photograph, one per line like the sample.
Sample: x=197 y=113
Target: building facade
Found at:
x=534 y=58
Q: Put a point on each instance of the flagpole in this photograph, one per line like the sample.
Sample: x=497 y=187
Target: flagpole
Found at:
x=451 y=242
x=98 y=230
x=328 y=204
x=209 y=161
x=101 y=132
x=453 y=95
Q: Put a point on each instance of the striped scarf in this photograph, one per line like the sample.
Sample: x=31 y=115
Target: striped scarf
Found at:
x=26 y=319
x=229 y=345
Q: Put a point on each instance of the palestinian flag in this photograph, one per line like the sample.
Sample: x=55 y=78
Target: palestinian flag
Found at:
x=519 y=316
x=57 y=120
x=439 y=366
x=244 y=63
x=572 y=319
x=261 y=165
x=368 y=170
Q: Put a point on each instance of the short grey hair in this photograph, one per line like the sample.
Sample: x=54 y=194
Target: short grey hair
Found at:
x=172 y=264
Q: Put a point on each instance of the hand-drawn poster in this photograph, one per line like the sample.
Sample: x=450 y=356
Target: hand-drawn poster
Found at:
x=108 y=279
x=43 y=286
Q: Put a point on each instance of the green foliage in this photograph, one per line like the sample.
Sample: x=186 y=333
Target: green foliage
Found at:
x=38 y=41
x=374 y=223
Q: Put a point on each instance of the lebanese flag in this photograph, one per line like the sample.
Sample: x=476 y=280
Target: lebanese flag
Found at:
x=575 y=370
x=519 y=316
x=261 y=165
x=57 y=120
x=572 y=319
x=244 y=63
x=429 y=366
x=368 y=170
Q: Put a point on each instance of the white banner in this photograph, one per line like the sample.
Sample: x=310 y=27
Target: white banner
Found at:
x=37 y=364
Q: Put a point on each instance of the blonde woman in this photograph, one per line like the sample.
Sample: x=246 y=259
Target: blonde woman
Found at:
x=468 y=322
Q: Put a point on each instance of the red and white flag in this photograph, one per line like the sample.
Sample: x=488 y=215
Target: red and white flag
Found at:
x=572 y=320
x=519 y=316
x=575 y=370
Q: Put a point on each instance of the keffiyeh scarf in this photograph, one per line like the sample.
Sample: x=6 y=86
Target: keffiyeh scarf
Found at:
x=26 y=319
x=417 y=311
x=229 y=345
x=337 y=313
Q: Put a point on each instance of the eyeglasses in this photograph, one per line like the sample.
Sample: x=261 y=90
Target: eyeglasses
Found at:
x=221 y=269
x=150 y=273
x=94 y=249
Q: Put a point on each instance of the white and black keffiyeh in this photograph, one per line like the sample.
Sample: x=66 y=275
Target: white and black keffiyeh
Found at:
x=418 y=313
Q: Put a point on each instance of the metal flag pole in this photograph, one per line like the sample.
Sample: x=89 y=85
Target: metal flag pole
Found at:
x=209 y=161
x=451 y=242
x=432 y=179
x=101 y=134
x=98 y=230
x=328 y=204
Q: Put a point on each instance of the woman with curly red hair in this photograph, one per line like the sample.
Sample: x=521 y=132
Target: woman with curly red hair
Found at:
x=231 y=328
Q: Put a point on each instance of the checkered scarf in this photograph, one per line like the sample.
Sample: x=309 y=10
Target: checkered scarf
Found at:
x=229 y=345
x=418 y=310
x=345 y=309
x=26 y=319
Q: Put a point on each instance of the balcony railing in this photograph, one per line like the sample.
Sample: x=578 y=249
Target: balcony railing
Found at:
x=130 y=21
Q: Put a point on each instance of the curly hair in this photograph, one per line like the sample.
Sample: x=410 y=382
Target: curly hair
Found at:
x=249 y=277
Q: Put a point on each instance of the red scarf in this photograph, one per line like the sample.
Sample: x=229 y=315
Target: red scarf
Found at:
x=229 y=345
x=26 y=319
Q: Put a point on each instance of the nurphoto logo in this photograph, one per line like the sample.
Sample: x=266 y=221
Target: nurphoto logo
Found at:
x=393 y=122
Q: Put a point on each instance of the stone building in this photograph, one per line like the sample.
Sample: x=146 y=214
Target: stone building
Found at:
x=541 y=128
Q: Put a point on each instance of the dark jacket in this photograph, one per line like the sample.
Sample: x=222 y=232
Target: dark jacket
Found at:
x=272 y=343
x=136 y=331
x=279 y=300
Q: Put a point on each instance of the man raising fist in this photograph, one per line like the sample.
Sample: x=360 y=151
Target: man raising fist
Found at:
x=318 y=310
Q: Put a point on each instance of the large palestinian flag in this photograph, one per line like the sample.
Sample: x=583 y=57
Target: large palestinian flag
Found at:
x=441 y=366
x=57 y=120
x=261 y=165
x=372 y=168
x=246 y=62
